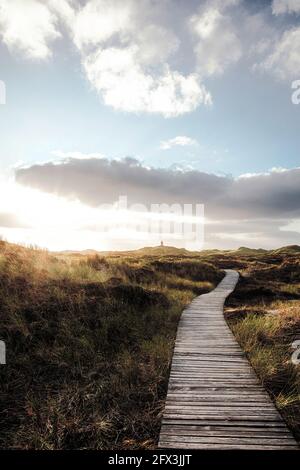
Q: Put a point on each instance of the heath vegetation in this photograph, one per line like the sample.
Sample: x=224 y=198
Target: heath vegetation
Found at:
x=89 y=341
x=90 y=338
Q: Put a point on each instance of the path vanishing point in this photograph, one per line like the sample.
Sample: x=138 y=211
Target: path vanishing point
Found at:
x=214 y=399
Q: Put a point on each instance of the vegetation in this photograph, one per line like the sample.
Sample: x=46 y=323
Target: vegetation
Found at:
x=264 y=315
x=90 y=338
x=89 y=341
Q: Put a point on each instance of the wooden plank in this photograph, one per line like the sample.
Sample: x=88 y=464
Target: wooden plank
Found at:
x=224 y=431
x=229 y=416
x=221 y=422
x=212 y=446
x=215 y=400
x=228 y=440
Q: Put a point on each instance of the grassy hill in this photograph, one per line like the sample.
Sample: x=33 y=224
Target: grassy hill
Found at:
x=145 y=251
x=243 y=250
x=290 y=249
x=173 y=251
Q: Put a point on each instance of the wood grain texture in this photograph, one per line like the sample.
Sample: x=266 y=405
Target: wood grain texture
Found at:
x=215 y=400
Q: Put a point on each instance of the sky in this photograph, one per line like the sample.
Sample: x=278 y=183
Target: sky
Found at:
x=187 y=110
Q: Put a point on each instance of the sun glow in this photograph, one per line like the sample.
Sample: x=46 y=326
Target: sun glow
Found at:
x=47 y=220
x=57 y=223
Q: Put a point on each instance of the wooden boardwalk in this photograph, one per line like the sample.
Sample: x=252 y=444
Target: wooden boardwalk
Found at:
x=215 y=400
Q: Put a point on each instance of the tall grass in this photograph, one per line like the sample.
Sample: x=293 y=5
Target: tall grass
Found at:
x=89 y=343
x=264 y=315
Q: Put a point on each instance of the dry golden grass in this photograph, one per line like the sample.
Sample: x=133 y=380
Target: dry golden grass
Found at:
x=264 y=315
x=89 y=343
x=90 y=338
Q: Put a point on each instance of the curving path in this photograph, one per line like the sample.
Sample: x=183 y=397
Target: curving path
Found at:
x=215 y=400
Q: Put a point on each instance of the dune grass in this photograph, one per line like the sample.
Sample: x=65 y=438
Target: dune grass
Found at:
x=264 y=315
x=89 y=342
x=90 y=338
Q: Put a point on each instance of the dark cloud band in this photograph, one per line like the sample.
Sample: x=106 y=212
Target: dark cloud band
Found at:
x=97 y=181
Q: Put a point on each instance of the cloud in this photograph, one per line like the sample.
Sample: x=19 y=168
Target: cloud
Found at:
x=180 y=140
x=65 y=10
x=275 y=194
x=98 y=20
x=76 y=155
x=125 y=55
x=140 y=59
x=255 y=209
x=126 y=49
x=284 y=59
x=280 y=7
x=98 y=181
x=218 y=44
x=28 y=27
x=125 y=85
x=262 y=233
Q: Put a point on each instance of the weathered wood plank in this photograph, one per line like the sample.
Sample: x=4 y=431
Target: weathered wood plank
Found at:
x=233 y=446
x=221 y=422
x=215 y=400
x=229 y=440
x=224 y=431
